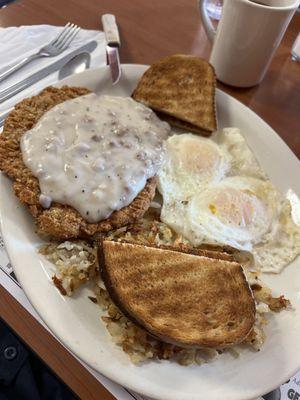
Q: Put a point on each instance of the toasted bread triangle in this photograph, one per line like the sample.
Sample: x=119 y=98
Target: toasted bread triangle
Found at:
x=180 y=298
x=181 y=89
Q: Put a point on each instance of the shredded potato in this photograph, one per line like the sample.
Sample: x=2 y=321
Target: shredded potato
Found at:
x=76 y=263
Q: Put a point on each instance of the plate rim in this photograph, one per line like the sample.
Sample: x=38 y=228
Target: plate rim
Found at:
x=11 y=254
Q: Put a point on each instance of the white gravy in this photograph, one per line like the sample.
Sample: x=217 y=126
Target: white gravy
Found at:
x=94 y=153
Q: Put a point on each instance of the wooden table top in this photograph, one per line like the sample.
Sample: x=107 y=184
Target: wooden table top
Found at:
x=150 y=30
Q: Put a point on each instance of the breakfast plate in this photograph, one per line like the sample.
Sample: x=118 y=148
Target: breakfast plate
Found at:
x=75 y=321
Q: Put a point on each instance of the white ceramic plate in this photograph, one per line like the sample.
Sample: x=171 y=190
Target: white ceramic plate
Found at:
x=75 y=321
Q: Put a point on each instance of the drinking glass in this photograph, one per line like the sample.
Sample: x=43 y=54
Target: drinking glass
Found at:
x=214 y=8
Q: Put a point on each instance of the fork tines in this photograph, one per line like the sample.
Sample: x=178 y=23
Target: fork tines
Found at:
x=63 y=40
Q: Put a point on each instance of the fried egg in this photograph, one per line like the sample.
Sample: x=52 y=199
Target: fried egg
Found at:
x=214 y=191
x=191 y=163
x=236 y=212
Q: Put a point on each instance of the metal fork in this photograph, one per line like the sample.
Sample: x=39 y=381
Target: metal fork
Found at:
x=54 y=48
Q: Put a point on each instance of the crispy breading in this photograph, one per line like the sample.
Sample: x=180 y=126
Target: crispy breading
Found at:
x=59 y=221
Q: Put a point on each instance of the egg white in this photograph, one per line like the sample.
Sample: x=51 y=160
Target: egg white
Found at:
x=281 y=245
x=243 y=161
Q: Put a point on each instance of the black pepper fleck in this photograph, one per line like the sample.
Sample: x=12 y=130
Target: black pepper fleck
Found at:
x=93 y=299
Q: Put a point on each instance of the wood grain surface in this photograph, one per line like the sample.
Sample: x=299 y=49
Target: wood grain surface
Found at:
x=150 y=30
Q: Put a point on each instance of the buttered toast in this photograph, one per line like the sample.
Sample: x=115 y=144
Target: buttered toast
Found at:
x=180 y=298
x=181 y=90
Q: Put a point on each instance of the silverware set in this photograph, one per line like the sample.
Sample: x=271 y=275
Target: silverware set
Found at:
x=12 y=90
x=52 y=49
x=57 y=46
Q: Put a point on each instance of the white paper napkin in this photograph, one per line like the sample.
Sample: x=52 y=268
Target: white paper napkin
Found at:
x=19 y=42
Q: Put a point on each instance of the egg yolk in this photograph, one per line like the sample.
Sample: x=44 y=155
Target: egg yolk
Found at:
x=197 y=157
x=233 y=206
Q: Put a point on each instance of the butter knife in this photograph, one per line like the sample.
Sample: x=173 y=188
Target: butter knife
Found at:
x=14 y=89
x=112 y=48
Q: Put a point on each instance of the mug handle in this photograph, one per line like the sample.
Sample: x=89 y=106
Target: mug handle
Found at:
x=208 y=26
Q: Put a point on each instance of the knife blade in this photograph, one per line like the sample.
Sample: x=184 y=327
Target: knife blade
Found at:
x=112 y=48
x=12 y=90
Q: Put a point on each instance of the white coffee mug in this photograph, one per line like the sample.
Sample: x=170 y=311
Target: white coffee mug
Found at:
x=246 y=38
